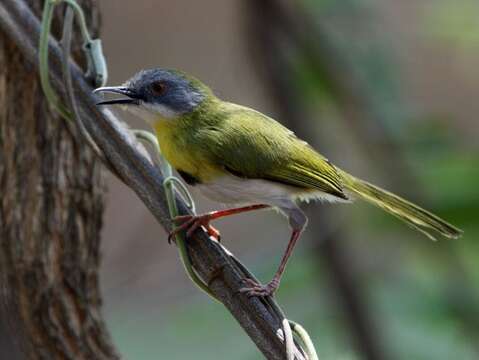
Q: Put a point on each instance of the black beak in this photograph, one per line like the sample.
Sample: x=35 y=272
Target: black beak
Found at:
x=132 y=97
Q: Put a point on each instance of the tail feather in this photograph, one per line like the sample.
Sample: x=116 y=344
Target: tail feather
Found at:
x=416 y=217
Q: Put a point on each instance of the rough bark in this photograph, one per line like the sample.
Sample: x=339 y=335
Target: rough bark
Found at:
x=50 y=219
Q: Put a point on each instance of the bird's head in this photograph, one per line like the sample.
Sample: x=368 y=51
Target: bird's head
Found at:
x=158 y=94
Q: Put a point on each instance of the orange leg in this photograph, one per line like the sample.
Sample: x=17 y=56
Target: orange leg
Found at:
x=256 y=289
x=192 y=222
x=297 y=221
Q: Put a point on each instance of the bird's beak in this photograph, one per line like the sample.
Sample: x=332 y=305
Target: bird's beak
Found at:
x=132 y=97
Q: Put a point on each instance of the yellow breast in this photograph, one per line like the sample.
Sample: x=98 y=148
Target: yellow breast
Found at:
x=183 y=155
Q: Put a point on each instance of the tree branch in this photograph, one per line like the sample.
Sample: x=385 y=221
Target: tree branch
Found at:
x=269 y=47
x=133 y=166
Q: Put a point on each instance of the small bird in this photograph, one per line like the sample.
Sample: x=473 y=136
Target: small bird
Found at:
x=236 y=155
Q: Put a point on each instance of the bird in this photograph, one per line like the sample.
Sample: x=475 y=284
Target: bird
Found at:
x=240 y=157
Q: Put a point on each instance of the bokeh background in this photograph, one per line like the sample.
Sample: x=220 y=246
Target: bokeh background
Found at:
x=385 y=89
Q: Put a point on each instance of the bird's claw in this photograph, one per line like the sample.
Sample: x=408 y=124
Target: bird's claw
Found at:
x=191 y=223
x=255 y=289
x=213 y=232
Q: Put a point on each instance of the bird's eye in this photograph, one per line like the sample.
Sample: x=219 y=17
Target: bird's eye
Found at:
x=158 y=88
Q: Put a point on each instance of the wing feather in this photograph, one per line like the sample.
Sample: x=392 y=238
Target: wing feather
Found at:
x=249 y=144
x=310 y=178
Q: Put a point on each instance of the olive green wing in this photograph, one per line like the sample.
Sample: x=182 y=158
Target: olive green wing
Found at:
x=325 y=179
x=249 y=144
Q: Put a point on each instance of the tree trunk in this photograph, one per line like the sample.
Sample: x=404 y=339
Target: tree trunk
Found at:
x=51 y=207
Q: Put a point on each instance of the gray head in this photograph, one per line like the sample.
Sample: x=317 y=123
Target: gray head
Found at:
x=158 y=93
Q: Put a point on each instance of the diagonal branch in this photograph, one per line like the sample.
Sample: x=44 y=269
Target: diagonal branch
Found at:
x=257 y=316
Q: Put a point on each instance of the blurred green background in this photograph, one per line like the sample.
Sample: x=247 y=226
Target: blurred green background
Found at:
x=385 y=89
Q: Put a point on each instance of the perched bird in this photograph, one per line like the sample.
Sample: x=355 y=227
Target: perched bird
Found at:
x=236 y=155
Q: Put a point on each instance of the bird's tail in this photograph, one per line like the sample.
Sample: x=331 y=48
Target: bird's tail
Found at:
x=411 y=214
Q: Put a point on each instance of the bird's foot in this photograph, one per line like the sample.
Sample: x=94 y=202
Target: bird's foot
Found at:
x=255 y=289
x=190 y=223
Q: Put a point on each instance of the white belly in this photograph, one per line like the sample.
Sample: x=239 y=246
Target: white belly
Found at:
x=235 y=190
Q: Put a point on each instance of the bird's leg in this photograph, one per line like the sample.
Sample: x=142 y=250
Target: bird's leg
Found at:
x=298 y=222
x=255 y=289
x=193 y=222
x=212 y=232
